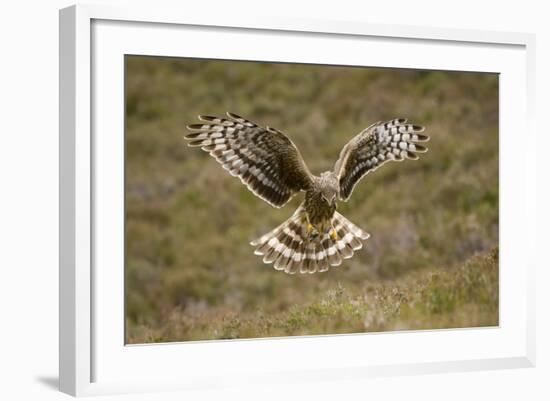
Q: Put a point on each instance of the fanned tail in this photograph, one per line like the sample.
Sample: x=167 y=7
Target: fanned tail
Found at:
x=291 y=249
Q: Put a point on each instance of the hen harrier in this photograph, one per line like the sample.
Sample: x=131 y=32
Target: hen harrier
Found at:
x=316 y=236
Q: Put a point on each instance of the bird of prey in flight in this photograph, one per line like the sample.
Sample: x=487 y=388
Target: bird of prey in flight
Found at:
x=316 y=236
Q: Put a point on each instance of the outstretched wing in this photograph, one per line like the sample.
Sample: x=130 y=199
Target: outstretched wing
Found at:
x=374 y=146
x=265 y=159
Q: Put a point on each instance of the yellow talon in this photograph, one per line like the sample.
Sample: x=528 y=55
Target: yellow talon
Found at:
x=334 y=234
x=309 y=228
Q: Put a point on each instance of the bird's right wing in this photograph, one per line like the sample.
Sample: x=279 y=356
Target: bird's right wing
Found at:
x=265 y=159
x=374 y=146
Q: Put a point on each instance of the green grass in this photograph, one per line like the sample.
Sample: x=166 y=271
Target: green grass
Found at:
x=190 y=273
x=428 y=299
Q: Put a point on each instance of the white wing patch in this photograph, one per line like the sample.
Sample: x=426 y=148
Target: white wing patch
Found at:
x=377 y=144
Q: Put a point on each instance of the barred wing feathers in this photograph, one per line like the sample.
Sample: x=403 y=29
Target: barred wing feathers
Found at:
x=264 y=159
x=377 y=144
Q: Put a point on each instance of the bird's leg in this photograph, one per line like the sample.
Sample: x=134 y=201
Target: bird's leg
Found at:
x=333 y=233
x=310 y=227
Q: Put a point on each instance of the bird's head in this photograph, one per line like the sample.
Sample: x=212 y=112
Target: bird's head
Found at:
x=329 y=198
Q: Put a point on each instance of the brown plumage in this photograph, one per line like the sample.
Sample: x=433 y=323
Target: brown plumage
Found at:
x=315 y=237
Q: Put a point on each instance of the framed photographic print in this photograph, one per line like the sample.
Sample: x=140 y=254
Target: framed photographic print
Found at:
x=287 y=200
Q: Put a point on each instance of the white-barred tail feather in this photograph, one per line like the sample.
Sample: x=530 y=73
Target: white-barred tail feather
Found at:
x=291 y=249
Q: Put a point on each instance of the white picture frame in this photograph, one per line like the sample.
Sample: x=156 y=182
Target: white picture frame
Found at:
x=93 y=357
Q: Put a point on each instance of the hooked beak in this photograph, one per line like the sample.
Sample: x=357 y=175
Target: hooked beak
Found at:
x=330 y=201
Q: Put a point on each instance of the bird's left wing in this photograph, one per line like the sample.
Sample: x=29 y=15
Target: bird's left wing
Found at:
x=374 y=146
x=265 y=159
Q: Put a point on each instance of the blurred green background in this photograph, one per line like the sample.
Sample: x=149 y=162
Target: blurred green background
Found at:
x=431 y=261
